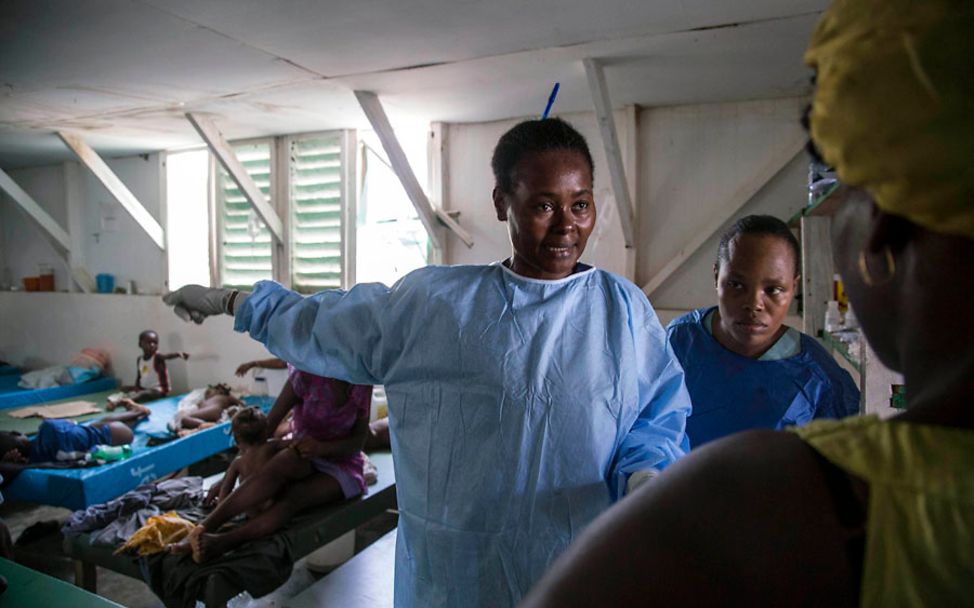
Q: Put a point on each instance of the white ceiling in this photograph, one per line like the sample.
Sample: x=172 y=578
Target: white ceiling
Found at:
x=123 y=72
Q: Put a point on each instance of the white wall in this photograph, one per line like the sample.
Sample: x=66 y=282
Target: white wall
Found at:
x=40 y=329
x=691 y=158
x=469 y=149
x=127 y=252
x=24 y=244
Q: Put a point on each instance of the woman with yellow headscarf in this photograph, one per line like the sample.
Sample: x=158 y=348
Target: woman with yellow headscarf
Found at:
x=859 y=511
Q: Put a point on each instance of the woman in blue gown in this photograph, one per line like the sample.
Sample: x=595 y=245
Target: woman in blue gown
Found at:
x=744 y=368
x=524 y=395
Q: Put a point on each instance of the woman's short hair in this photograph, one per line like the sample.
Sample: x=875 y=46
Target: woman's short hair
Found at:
x=759 y=225
x=534 y=136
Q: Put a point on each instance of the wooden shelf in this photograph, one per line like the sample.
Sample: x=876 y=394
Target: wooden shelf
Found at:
x=834 y=345
x=823 y=206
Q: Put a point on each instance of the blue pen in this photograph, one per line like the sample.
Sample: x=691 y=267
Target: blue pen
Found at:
x=551 y=101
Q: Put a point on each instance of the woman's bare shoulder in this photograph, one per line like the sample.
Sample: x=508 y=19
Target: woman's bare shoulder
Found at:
x=747 y=519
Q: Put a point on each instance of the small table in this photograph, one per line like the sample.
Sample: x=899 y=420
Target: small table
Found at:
x=26 y=587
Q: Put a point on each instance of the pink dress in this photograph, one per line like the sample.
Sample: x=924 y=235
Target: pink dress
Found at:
x=327 y=412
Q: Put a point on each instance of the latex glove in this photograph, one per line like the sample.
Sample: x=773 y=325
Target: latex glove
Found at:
x=639 y=478
x=195 y=302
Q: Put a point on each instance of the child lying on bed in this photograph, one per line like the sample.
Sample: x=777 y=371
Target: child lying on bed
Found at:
x=151 y=373
x=249 y=428
x=55 y=436
x=323 y=463
x=215 y=404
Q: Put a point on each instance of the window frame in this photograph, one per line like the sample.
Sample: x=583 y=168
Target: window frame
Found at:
x=280 y=200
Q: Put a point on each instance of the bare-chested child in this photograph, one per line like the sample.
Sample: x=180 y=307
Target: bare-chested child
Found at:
x=322 y=463
x=216 y=400
x=151 y=374
x=249 y=428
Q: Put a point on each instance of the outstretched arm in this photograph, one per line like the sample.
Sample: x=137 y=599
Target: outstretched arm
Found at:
x=262 y=364
x=334 y=333
x=170 y=356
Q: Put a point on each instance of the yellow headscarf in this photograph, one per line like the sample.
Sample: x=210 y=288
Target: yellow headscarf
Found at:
x=894 y=105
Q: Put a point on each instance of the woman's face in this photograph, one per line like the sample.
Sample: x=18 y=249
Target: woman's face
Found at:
x=755 y=287
x=550 y=213
x=875 y=306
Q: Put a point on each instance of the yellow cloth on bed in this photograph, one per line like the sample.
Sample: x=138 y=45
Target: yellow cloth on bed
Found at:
x=158 y=532
x=893 y=105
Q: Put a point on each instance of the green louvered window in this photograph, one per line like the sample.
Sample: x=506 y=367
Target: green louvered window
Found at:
x=316 y=206
x=246 y=254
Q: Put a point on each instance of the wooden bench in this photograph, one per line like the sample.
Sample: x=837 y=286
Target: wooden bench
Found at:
x=307 y=532
x=365 y=581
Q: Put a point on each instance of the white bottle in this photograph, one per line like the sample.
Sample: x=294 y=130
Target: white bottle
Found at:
x=833 y=318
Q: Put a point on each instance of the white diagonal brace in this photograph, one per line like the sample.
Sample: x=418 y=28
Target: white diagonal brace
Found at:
x=613 y=153
x=397 y=158
x=228 y=158
x=48 y=225
x=738 y=199
x=456 y=228
x=115 y=187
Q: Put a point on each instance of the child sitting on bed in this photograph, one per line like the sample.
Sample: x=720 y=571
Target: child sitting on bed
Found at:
x=151 y=373
x=249 y=428
x=322 y=463
x=208 y=412
x=55 y=436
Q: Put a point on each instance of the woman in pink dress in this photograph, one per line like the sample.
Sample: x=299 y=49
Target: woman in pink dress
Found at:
x=322 y=462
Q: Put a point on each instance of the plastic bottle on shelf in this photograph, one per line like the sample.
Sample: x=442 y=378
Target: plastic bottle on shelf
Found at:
x=833 y=318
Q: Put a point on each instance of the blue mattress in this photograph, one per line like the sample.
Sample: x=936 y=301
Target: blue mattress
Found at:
x=13 y=396
x=80 y=488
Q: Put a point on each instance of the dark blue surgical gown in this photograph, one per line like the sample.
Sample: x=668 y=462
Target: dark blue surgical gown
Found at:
x=732 y=393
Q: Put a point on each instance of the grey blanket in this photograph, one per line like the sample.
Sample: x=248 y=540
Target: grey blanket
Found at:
x=113 y=522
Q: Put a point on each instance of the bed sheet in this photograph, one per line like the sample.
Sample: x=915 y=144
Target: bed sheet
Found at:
x=80 y=488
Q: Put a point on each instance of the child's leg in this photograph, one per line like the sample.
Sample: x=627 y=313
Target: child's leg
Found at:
x=286 y=466
x=200 y=415
x=121 y=432
x=129 y=417
x=314 y=490
x=146 y=395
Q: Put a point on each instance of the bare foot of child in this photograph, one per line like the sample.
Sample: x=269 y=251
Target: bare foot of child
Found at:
x=206 y=546
x=205 y=425
x=137 y=407
x=181 y=548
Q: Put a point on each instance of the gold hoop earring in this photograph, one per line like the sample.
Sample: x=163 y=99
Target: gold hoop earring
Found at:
x=868 y=278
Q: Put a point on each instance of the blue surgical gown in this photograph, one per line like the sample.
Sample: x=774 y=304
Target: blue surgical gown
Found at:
x=732 y=393
x=517 y=407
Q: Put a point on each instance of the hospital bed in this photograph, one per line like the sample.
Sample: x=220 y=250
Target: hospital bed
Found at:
x=29 y=426
x=12 y=395
x=308 y=531
x=81 y=487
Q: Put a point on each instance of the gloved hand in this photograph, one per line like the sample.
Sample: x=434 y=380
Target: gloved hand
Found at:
x=639 y=478
x=195 y=302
